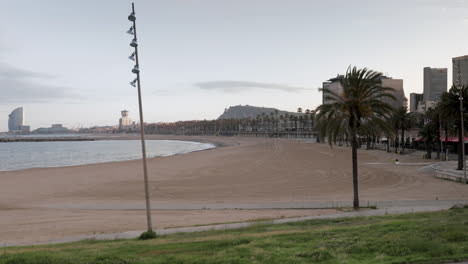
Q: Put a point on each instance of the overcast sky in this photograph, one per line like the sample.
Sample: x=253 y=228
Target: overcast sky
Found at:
x=66 y=61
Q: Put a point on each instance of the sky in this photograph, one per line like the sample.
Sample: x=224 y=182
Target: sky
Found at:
x=66 y=61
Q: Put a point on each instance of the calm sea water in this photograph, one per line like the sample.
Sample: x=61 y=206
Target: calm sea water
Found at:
x=26 y=155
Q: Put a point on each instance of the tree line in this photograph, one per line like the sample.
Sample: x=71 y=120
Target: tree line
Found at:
x=273 y=124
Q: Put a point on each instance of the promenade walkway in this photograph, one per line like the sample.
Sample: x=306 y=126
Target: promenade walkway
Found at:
x=444 y=170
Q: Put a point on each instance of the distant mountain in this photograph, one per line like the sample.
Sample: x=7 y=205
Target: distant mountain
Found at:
x=247 y=111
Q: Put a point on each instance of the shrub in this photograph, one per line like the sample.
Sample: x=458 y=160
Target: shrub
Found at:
x=150 y=234
x=455 y=236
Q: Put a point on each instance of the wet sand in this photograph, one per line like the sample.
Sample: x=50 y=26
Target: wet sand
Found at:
x=50 y=203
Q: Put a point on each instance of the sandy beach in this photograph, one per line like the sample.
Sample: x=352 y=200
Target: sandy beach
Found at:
x=51 y=203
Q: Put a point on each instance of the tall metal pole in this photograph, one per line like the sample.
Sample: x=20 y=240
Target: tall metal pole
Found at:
x=440 y=134
x=142 y=132
x=460 y=88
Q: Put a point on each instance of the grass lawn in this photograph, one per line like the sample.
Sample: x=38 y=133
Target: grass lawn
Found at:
x=411 y=238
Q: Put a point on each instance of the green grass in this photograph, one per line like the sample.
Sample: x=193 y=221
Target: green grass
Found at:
x=412 y=238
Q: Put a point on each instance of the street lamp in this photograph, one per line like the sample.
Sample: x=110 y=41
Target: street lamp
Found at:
x=460 y=89
x=136 y=70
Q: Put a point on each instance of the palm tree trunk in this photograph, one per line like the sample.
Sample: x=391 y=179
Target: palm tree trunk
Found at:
x=460 y=153
x=355 y=172
x=438 y=142
x=446 y=141
x=397 y=142
x=429 y=150
x=403 y=139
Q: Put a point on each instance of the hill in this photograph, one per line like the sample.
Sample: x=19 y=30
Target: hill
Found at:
x=247 y=111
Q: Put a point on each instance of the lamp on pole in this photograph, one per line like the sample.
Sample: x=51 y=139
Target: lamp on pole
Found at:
x=460 y=89
x=136 y=70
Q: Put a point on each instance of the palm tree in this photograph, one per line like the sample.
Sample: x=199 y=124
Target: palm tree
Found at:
x=433 y=116
x=402 y=121
x=428 y=133
x=360 y=102
x=450 y=110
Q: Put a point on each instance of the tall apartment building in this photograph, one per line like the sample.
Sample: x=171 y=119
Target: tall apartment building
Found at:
x=435 y=83
x=461 y=61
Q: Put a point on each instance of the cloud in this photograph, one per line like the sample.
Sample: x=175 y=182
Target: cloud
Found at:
x=242 y=86
x=23 y=86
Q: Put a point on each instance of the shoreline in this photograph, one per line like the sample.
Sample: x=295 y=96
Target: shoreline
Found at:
x=214 y=146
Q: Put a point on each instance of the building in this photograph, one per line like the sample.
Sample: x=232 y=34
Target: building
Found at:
x=435 y=83
x=416 y=100
x=25 y=129
x=54 y=129
x=334 y=84
x=463 y=62
x=125 y=123
x=16 y=120
x=398 y=92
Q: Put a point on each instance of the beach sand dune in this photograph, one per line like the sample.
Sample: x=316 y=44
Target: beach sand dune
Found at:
x=50 y=203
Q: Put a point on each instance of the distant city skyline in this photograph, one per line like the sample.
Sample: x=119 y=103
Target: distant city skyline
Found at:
x=66 y=61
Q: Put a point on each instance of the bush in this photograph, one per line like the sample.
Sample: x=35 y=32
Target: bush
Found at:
x=455 y=236
x=150 y=234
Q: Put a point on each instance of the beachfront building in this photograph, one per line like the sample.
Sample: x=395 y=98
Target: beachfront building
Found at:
x=463 y=62
x=334 y=85
x=16 y=120
x=435 y=83
x=398 y=92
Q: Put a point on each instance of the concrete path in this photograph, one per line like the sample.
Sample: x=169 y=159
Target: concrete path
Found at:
x=252 y=206
x=393 y=207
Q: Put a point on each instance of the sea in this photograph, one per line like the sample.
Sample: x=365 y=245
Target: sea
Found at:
x=27 y=155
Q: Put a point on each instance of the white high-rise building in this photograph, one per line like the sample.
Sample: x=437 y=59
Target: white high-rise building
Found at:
x=16 y=120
